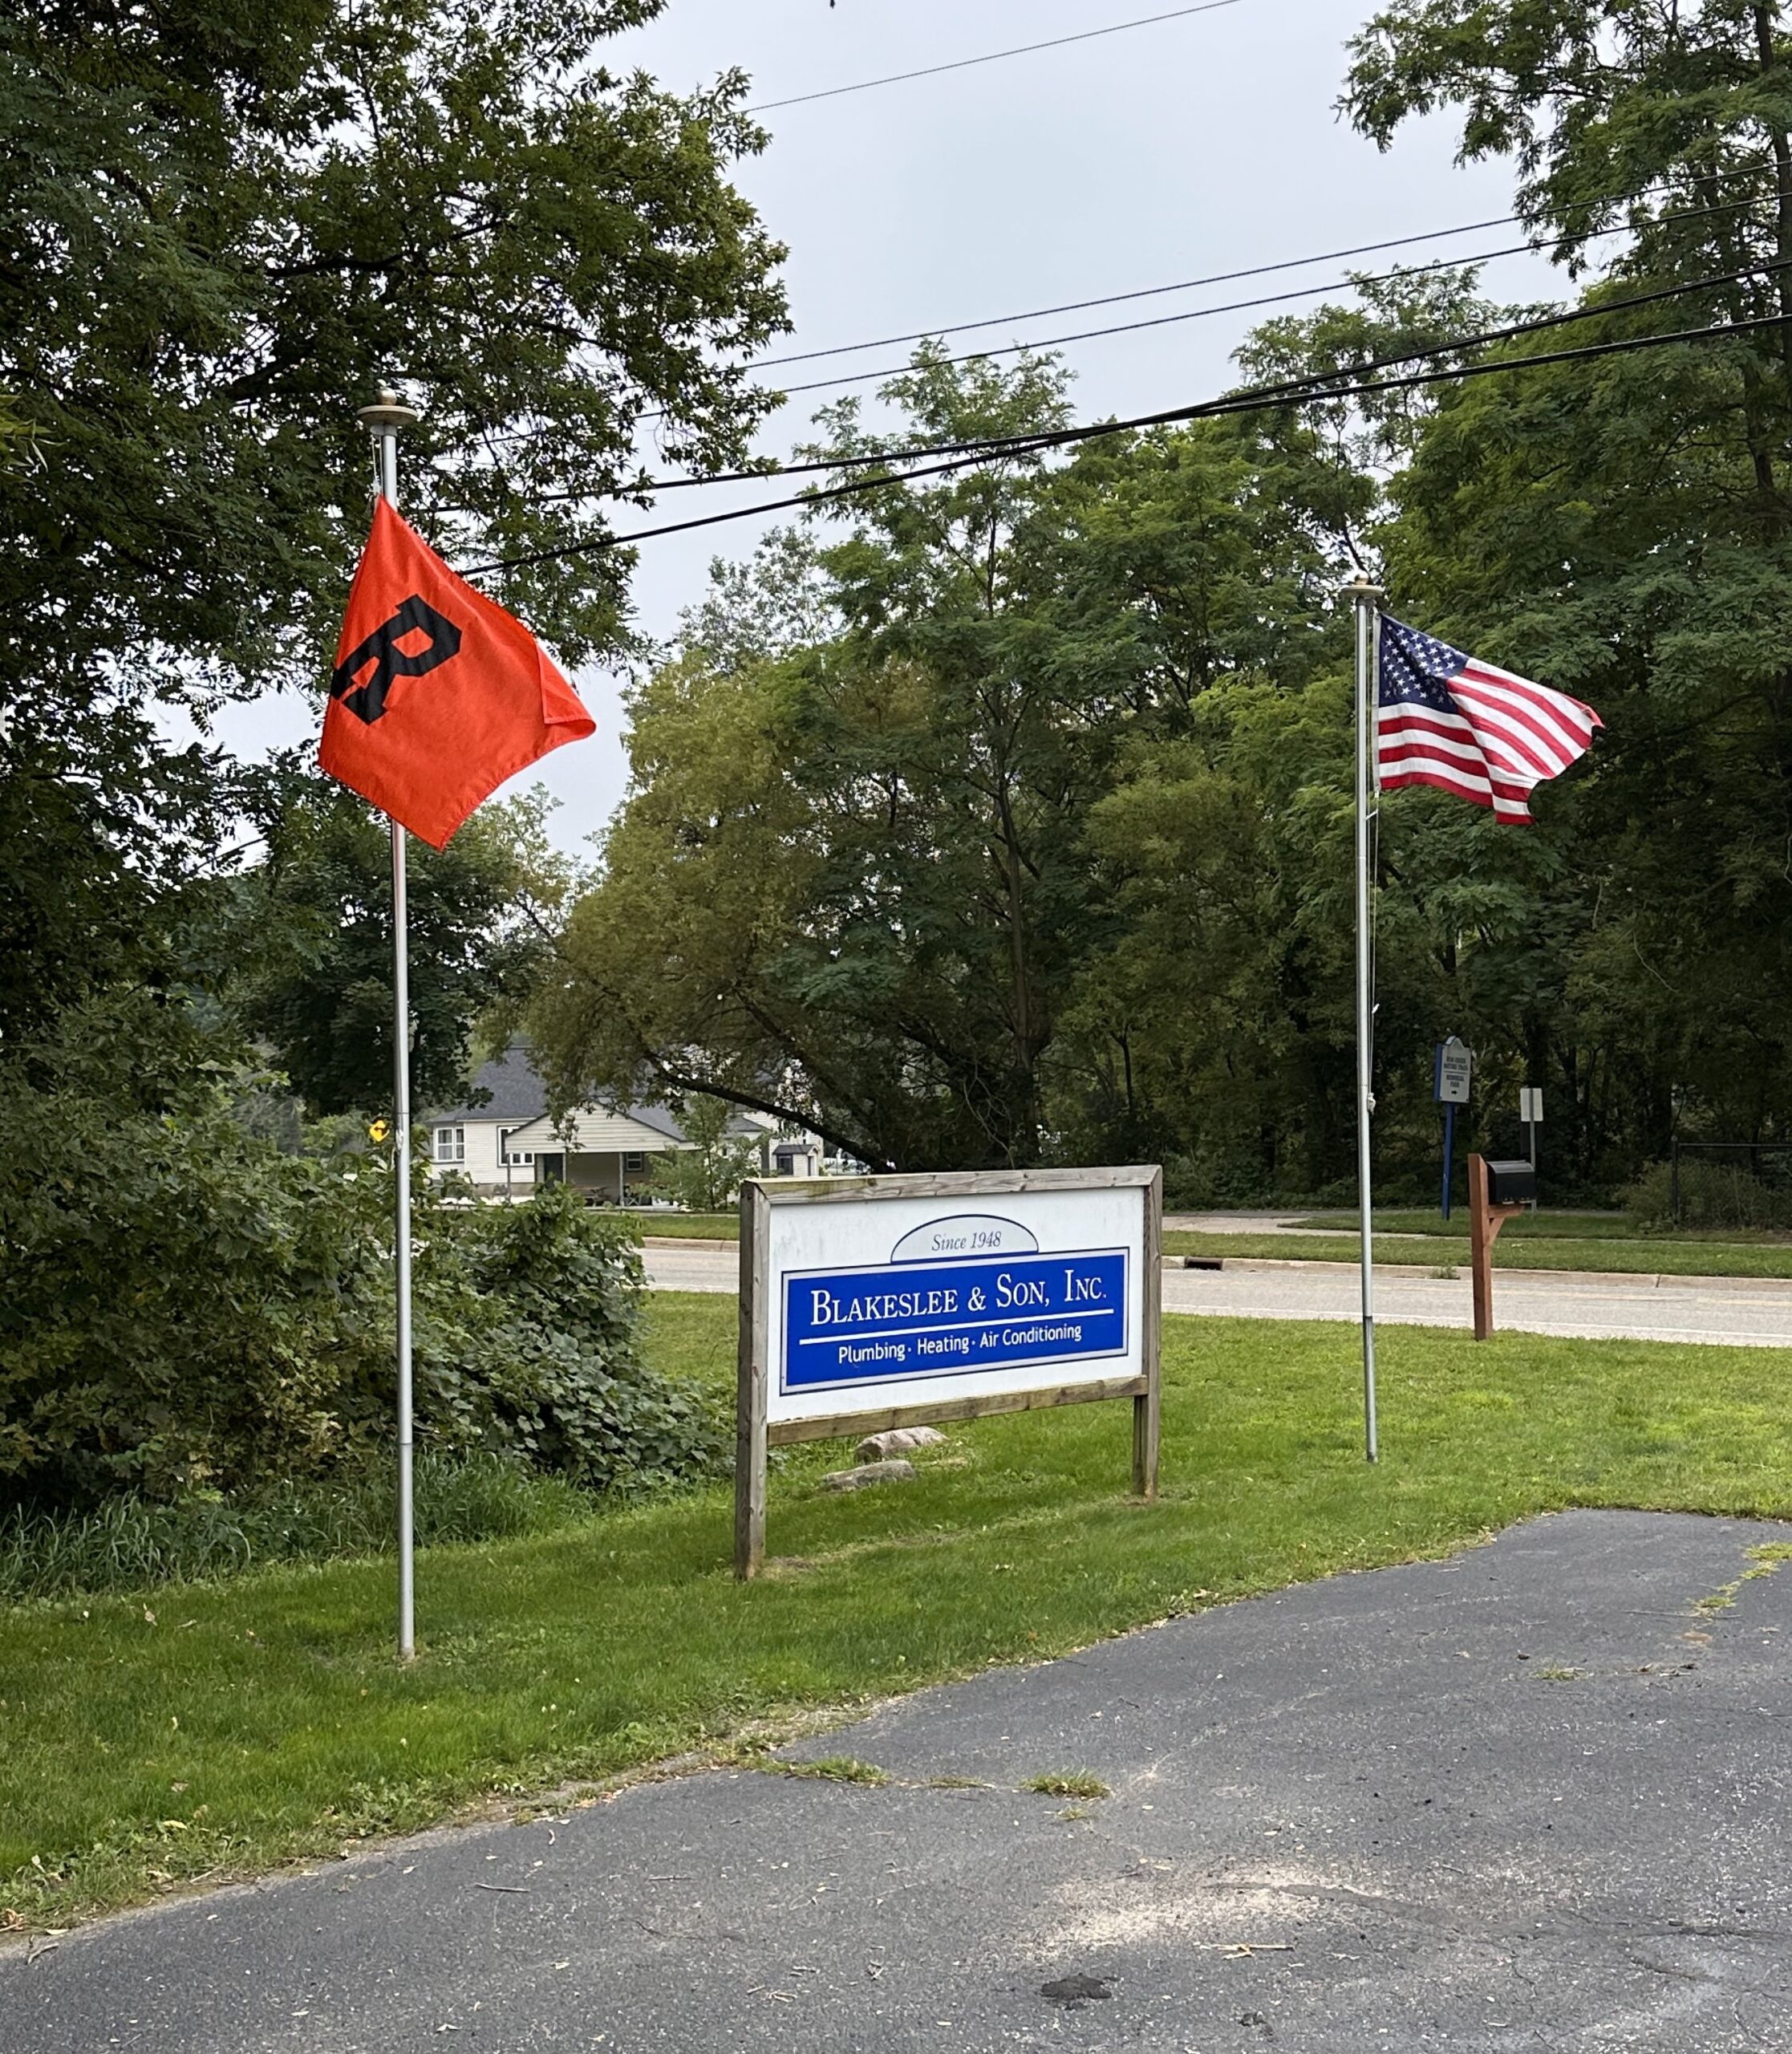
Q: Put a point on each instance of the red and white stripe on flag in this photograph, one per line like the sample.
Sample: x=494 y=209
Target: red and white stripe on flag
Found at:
x=1489 y=736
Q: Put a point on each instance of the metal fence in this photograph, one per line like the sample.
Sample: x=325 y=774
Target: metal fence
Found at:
x=1732 y=1183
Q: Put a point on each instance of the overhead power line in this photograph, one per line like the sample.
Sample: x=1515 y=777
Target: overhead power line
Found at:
x=1139 y=292
x=1214 y=409
x=1219 y=277
x=1345 y=382
x=1283 y=264
x=1532 y=325
x=1350 y=283
x=990 y=57
x=1347 y=284
x=1170 y=320
x=1247 y=306
x=1223 y=277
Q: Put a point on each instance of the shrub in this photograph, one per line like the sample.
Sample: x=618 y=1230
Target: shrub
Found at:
x=706 y=1177
x=526 y=1340
x=181 y=1299
x=1713 y=1196
x=188 y=1309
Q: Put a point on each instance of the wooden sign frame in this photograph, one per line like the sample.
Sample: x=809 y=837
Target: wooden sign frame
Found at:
x=754 y=1435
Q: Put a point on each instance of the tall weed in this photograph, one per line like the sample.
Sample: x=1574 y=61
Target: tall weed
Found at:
x=133 y=1543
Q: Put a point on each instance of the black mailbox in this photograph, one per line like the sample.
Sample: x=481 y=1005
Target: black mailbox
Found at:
x=1510 y=1183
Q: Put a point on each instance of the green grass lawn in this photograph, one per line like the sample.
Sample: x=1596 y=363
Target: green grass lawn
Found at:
x=197 y=1730
x=688 y=1226
x=1543 y=1225
x=1548 y=1240
x=1627 y=1258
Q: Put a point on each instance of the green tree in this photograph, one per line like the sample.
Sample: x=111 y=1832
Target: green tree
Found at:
x=1620 y=529
x=855 y=883
x=223 y=222
x=314 y=947
x=707 y=1176
x=871 y=894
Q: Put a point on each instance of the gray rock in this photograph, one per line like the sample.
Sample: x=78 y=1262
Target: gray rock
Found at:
x=898 y=1440
x=867 y=1473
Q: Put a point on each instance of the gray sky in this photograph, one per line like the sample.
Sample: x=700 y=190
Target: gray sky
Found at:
x=1190 y=147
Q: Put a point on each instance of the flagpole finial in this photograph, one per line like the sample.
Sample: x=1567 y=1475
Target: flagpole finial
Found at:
x=1362 y=586
x=387 y=412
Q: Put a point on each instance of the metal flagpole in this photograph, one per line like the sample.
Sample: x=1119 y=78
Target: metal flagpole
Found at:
x=384 y=420
x=1365 y=597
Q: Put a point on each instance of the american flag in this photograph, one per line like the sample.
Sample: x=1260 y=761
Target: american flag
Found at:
x=1444 y=719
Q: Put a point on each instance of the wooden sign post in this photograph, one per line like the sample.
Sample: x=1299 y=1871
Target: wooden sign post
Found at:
x=874 y=1302
x=1496 y=1194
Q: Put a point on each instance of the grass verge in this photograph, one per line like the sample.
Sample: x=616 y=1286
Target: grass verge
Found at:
x=1545 y=1225
x=1613 y=1258
x=688 y=1226
x=202 y=1730
x=1549 y=1240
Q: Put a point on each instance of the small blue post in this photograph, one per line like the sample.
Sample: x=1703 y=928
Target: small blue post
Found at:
x=1449 y=1146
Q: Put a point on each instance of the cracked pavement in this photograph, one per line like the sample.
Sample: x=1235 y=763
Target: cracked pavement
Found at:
x=1532 y=1796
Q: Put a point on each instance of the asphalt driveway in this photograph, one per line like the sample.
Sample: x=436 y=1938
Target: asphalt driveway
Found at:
x=1534 y=1797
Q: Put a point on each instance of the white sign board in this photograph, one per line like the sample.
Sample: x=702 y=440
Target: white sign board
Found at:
x=895 y=1302
x=1531 y=1104
x=881 y=1301
x=1452 y=1066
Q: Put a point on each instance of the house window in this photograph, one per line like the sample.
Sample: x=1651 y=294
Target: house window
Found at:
x=634 y=1163
x=450 y=1144
x=514 y=1158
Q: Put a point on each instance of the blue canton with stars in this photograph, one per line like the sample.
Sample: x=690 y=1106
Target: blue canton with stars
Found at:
x=1416 y=668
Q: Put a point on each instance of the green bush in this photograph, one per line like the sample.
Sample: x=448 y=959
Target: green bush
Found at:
x=184 y=1304
x=706 y=1177
x=188 y=1309
x=1713 y=1196
x=525 y=1341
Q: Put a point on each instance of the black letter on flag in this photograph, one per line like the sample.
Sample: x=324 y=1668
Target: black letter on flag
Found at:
x=367 y=702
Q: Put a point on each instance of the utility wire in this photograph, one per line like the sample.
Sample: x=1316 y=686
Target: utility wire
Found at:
x=1235 y=306
x=1172 y=320
x=1045 y=438
x=1347 y=284
x=1232 y=306
x=1209 y=410
x=1120 y=298
x=1265 y=270
x=990 y=57
x=1337 y=385
x=1139 y=292
x=1213 y=278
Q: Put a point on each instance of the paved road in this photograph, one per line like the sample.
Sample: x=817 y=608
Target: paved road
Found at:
x=1750 y=1312
x=1533 y=1797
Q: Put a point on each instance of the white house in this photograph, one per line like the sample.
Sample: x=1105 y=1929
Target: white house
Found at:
x=509 y=1142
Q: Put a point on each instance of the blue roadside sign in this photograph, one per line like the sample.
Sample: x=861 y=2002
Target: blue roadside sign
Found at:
x=1452 y=1067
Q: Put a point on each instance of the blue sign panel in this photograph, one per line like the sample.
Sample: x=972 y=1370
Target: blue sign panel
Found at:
x=907 y=1319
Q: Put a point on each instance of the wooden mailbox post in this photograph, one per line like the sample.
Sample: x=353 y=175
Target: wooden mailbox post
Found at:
x=1497 y=1191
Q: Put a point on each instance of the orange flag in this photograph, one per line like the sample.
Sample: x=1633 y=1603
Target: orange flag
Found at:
x=438 y=694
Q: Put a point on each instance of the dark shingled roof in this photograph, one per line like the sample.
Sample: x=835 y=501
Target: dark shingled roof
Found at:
x=518 y=1095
